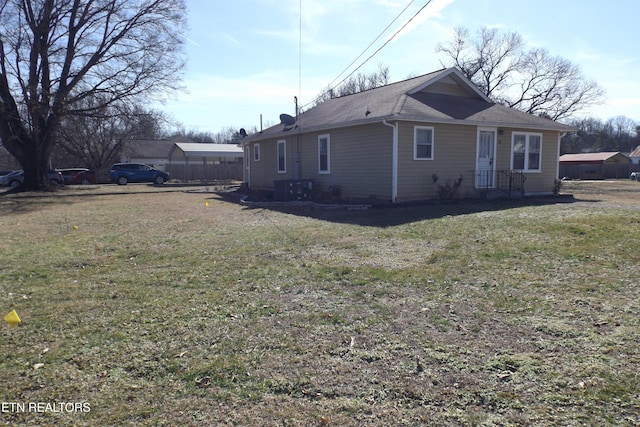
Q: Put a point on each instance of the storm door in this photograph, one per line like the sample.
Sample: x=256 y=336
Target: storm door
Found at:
x=485 y=158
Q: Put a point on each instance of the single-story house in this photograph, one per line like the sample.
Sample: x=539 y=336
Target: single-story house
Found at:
x=391 y=143
x=635 y=156
x=601 y=165
x=205 y=161
x=152 y=152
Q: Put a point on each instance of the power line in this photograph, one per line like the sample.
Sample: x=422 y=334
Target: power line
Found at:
x=377 y=50
x=299 y=58
x=371 y=44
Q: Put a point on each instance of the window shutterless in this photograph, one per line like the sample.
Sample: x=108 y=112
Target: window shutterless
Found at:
x=526 y=151
x=423 y=143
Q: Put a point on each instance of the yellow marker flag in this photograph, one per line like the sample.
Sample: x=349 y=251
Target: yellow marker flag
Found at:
x=12 y=318
x=206 y=203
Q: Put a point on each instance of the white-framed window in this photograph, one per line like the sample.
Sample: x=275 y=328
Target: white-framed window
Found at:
x=324 y=154
x=526 y=152
x=282 y=156
x=423 y=143
x=256 y=152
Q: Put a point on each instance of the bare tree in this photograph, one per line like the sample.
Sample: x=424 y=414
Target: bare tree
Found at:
x=96 y=140
x=355 y=84
x=623 y=129
x=533 y=81
x=489 y=60
x=54 y=54
x=619 y=133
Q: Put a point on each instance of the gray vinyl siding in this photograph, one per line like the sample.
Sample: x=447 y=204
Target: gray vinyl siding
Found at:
x=537 y=182
x=265 y=171
x=454 y=153
x=447 y=89
x=360 y=161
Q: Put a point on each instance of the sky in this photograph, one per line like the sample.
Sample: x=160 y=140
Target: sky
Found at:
x=250 y=58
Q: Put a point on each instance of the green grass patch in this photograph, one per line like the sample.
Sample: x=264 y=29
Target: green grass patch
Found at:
x=157 y=310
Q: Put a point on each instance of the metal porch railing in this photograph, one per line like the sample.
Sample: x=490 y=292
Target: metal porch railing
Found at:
x=508 y=182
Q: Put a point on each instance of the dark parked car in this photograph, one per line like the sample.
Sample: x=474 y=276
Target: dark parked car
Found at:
x=69 y=173
x=122 y=173
x=84 y=178
x=15 y=178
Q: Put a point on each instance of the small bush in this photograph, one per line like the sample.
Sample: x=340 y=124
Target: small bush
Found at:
x=557 y=186
x=448 y=190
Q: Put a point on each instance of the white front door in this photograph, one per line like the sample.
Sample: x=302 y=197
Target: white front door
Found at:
x=485 y=157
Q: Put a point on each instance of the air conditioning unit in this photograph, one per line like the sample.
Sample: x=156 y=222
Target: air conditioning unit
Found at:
x=288 y=190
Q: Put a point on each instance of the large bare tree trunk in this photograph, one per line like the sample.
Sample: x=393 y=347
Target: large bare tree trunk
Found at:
x=57 y=54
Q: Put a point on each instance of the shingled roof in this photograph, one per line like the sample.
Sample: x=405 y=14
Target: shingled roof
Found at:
x=410 y=100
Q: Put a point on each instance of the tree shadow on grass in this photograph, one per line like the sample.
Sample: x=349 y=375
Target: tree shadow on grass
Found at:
x=21 y=203
x=14 y=201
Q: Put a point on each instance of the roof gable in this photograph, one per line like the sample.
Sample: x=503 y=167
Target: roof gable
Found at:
x=457 y=82
x=444 y=96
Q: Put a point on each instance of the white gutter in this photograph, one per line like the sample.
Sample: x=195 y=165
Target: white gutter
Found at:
x=394 y=161
x=560 y=135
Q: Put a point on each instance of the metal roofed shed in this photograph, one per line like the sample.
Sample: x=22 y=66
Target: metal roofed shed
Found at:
x=600 y=165
x=205 y=162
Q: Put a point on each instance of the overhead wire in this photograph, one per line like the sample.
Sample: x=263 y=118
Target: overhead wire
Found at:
x=331 y=86
x=371 y=44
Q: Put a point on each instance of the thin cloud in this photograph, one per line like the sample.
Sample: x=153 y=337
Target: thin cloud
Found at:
x=431 y=11
x=228 y=37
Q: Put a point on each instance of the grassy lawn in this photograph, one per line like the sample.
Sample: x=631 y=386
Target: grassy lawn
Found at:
x=167 y=306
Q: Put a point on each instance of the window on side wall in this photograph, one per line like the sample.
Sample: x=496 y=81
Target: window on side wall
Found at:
x=324 y=154
x=526 y=152
x=256 y=152
x=282 y=156
x=423 y=143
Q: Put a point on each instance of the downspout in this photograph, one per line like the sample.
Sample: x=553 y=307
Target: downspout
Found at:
x=297 y=172
x=394 y=161
x=560 y=135
x=247 y=165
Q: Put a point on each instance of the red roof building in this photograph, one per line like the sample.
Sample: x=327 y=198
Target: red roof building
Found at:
x=594 y=165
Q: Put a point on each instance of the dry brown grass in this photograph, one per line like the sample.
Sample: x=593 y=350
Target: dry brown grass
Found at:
x=158 y=310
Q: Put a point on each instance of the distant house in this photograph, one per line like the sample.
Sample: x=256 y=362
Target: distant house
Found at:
x=389 y=143
x=599 y=165
x=205 y=162
x=635 y=156
x=152 y=152
x=187 y=161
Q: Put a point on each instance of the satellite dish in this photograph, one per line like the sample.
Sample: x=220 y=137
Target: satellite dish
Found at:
x=287 y=120
x=243 y=133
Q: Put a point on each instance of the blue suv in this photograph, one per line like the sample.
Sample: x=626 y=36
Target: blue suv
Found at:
x=122 y=173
